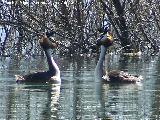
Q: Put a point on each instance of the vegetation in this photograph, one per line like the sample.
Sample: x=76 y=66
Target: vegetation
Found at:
x=135 y=24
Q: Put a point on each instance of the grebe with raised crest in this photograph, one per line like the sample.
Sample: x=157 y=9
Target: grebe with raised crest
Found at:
x=52 y=74
x=115 y=76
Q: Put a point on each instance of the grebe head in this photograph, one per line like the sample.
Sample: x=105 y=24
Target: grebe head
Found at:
x=46 y=43
x=105 y=40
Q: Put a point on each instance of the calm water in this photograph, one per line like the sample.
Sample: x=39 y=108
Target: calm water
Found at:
x=80 y=97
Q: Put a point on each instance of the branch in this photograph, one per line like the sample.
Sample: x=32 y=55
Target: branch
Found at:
x=106 y=8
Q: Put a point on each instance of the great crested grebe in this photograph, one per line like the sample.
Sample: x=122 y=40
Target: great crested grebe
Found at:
x=115 y=76
x=53 y=73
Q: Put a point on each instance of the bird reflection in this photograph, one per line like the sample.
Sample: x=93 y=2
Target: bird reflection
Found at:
x=44 y=99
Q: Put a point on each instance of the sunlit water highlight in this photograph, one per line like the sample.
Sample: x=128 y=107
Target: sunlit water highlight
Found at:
x=80 y=97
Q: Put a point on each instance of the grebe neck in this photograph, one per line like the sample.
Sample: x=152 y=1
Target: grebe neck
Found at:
x=53 y=68
x=99 y=66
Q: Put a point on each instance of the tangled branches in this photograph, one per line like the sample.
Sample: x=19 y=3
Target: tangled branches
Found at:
x=135 y=24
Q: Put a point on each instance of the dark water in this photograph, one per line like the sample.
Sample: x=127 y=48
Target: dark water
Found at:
x=79 y=97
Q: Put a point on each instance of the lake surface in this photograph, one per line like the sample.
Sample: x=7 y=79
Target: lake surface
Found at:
x=80 y=96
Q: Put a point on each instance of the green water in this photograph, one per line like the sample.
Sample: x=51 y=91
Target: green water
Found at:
x=80 y=97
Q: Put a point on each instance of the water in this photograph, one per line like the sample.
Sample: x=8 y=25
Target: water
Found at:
x=79 y=97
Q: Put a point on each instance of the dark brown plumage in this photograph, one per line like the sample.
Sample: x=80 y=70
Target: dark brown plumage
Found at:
x=121 y=77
